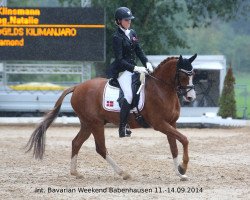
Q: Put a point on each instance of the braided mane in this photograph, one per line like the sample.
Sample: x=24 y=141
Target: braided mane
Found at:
x=165 y=61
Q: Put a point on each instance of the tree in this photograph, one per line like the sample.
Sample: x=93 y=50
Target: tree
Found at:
x=227 y=101
x=226 y=40
x=159 y=23
x=203 y=12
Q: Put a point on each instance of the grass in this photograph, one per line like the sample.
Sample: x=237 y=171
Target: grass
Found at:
x=242 y=83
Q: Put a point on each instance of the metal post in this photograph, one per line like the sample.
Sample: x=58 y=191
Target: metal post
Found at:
x=245 y=103
x=86 y=66
x=3 y=2
x=5 y=81
x=244 y=93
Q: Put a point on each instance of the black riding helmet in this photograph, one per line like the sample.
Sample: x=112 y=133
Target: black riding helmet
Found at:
x=123 y=13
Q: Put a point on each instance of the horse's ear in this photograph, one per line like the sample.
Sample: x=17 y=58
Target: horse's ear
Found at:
x=192 y=58
x=180 y=58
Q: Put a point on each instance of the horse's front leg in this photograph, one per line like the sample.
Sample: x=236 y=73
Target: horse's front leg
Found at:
x=173 y=135
x=180 y=170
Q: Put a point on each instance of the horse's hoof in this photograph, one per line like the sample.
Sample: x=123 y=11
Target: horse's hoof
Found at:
x=181 y=173
x=181 y=170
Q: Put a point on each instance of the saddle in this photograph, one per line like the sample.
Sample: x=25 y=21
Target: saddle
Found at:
x=113 y=95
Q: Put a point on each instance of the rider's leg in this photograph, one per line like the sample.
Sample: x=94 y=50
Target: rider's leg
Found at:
x=125 y=108
x=125 y=81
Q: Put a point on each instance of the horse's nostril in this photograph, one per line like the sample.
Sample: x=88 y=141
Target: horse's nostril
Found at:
x=190 y=99
x=187 y=99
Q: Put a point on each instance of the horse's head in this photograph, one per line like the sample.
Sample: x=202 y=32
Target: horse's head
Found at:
x=184 y=78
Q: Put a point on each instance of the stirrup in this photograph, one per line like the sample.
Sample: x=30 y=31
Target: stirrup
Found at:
x=128 y=131
x=123 y=132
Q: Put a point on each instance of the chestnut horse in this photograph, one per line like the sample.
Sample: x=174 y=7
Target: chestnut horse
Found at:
x=161 y=111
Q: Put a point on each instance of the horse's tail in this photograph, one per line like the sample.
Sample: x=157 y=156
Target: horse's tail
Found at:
x=37 y=139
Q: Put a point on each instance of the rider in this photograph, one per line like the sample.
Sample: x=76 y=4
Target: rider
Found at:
x=126 y=46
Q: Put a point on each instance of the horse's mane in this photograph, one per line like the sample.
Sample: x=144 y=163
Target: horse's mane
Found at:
x=165 y=61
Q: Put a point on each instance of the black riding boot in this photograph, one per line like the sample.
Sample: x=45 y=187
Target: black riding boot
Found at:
x=125 y=109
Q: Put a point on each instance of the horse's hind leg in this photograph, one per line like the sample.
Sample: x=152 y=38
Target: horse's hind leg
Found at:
x=98 y=133
x=77 y=142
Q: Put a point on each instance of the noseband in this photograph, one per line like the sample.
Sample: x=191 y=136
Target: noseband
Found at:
x=180 y=89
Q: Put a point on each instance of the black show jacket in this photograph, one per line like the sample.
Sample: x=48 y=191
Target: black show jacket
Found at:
x=125 y=51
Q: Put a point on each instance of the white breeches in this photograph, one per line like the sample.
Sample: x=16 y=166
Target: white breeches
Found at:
x=125 y=81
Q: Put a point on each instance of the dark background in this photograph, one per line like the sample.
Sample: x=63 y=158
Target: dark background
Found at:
x=87 y=45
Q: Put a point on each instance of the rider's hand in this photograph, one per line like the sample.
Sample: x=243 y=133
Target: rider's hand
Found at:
x=149 y=67
x=140 y=69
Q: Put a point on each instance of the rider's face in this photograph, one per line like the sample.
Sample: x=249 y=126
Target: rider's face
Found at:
x=126 y=23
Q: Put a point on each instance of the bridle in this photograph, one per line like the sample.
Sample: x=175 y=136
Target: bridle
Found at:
x=183 y=90
x=180 y=89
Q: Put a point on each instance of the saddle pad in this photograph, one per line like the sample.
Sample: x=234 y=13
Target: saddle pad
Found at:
x=110 y=96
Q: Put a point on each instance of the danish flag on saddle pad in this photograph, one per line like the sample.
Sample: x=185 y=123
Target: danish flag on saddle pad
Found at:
x=110 y=103
x=110 y=96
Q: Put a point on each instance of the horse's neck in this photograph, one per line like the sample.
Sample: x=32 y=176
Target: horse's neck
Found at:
x=161 y=89
x=163 y=85
x=166 y=73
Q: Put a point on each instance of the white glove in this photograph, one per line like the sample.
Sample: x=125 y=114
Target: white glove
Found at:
x=149 y=67
x=140 y=70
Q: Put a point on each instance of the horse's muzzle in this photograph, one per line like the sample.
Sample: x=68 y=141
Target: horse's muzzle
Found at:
x=190 y=96
x=188 y=99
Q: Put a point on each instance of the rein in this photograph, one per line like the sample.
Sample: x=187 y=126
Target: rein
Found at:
x=157 y=79
x=180 y=89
